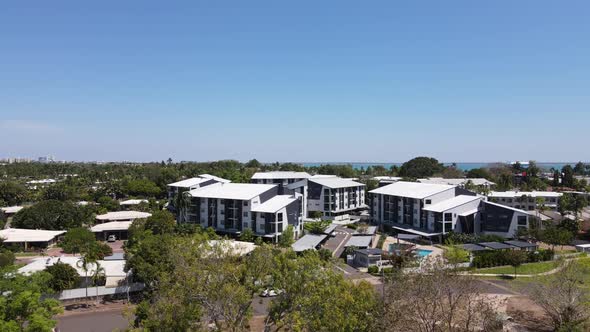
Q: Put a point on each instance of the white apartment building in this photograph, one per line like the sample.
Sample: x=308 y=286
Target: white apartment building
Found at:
x=435 y=209
x=232 y=207
x=334 y=196
x=526 y=200
x=190 y=184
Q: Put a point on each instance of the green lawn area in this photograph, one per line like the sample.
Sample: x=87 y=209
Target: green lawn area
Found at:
x=529 y=268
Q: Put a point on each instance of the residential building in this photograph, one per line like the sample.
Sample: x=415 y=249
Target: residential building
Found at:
x=461 y=182
x=122 y=216
x=280 y=178
x=334 y=196
x=367 y=257
x=29 y=238
x=185 y=185
x=432 y=210
x=117 y=228
x=233 y=207
x=527 y=200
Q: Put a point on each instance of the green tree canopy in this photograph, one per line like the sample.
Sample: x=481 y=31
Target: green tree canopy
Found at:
x=63 y=276
x=12 y=193
x=421 y=167
x=51 y=215
x=76 y=239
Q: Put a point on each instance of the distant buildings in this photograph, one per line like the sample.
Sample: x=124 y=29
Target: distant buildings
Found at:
x=527 y=200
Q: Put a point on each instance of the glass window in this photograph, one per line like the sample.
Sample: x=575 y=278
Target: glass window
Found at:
x=246 y=214
x=448 y=217
x=280 y=217
x=428 y=201
x=522 y=220
x=245 y=203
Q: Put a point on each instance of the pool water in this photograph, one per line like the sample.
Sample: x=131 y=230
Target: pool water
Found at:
x=422 y=252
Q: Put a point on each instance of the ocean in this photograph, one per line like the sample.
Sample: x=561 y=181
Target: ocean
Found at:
x=462 y=166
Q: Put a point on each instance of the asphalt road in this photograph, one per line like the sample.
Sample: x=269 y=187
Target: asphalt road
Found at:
x=102 y=321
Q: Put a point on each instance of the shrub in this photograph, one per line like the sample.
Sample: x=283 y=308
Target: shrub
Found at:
x=63 y=276
x=6 y=257
x=373 y=269
x=381 y=241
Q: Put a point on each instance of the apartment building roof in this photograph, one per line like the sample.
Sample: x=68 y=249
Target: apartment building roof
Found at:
x=335 y=182
x=123 y=215
x=274 y=204
x=17 y=235
x=458 y=181
x=412 y=189
x=515 y=194
x=187 y=183
x=239 y=191
x=452 y=203
x=133 y=201
x=280 y=175
x=213 y=177
x=507 y=207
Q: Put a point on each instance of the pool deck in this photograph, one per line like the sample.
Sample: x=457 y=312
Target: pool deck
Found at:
x=436 y=252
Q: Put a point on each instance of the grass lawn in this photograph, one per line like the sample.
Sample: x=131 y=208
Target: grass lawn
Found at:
x=528 y=268
x=27 y=254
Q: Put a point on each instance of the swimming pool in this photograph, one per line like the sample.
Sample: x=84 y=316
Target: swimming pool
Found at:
x=422 y=252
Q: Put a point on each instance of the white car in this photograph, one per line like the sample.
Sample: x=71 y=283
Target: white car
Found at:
x=111 y=238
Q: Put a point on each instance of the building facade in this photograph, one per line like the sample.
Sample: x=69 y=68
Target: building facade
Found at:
x=527 y=200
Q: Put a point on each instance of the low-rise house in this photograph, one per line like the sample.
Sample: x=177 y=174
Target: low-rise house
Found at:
x=117 y=228
x=29 y=238
x=522 y=245
x=527 y=200
x=309 y=242
x=360 y=242
x=367 y=257
x=11 y=210
x=114 y=270
x=122 y=216
x=132 y=202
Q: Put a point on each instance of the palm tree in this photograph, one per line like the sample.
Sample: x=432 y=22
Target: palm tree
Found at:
x=85 y=263
x=182 y=202
x=98 y=274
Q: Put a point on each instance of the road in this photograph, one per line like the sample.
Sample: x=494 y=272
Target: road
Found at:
x=97 y=321
x=336 y=243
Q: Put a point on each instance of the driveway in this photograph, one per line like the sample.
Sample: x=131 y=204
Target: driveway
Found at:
x=336 y=243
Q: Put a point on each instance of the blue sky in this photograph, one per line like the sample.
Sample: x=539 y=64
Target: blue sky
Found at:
x=295 y=81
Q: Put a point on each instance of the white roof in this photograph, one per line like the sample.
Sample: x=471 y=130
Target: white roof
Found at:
x=187 y=183
x=213 y=177
x=411 y=189
x=233 y=247
x=274 y=204
x=41 y=181
x=123 y=215
x=515 y=194
x=587 y=245
x=457 y=181
x=28 y=235
x=240 y=191
x=112 y=268
x=11 y=209
x=387 y=178
x=133 y=201
x=309 y=241
x=336 y=182
x=451 y=203
x=280 y=175
x=111 y=226
x=359 y=241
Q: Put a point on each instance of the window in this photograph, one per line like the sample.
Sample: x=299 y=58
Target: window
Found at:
x=246 y=214
x=448 y=217
x=245 y=203
x=245 y=225
x=428 y=201
x=280 y=217
x=522 y=220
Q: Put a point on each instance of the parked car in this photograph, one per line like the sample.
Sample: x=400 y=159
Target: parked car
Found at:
x=111 y=238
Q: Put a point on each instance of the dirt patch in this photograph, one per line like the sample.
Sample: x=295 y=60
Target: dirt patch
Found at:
x=527 y=314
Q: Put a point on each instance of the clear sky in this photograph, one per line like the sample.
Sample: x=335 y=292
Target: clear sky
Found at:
x=295 y=80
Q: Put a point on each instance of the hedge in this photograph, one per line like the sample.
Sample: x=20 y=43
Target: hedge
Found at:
x=499 y=258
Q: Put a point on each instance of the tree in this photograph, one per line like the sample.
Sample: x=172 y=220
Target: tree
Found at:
x=12 y=193
x=564 y=297
x=421 y=167
x=307 y=282
x=6 y=257
x=60 y=192
x=515 y=258
x=160 y=222
x=98 y=275
x=50 y=215
x=316 y=227
x=567 y=179
x=436 y=299
x=141 y=187
x=63 y=276
x=455 y=255
x=182 y=202
x=580 y=169
x=108 y=203
x=556 y=236
x=76 y=239
x=22 y=307
x=253 y=164
x=315 y=214
x=287 y=237
x=247 y=235
x=478 y=173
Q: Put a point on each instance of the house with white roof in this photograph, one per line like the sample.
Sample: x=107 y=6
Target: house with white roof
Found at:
x=11 y=210
x=132 y=202
x=334 y=196
x=122 y=216
x=233 y=207
x=117 y=228
x=27 y=238
x=527 y=200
